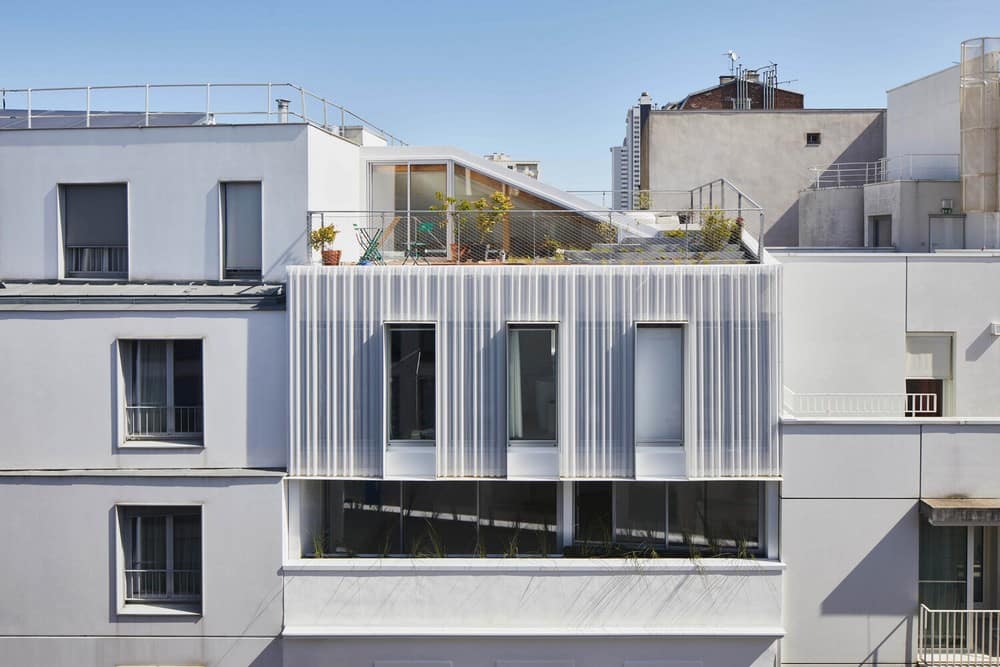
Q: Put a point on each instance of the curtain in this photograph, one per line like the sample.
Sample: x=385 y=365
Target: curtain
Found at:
x=516 y=398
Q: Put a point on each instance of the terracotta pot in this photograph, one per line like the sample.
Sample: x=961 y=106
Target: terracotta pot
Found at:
x=459 y=255
x=331 y=257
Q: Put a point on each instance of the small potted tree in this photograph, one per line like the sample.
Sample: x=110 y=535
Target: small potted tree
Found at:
x=322 y=237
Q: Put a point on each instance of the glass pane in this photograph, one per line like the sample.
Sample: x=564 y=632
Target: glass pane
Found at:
x=411 y=382
x=187 y=373
x=687 y=515
x=187 y=554
x=533 y=390
x=517 y=518
x=242 y=208
x=641 y=514
x=439 y=518
x=593 y=514
x=715 y=517
x=363 y=518
x=659 y=384
x=943 y=566
x=150 y=543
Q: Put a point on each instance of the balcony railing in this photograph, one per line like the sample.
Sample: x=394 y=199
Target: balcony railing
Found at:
x=873 y=406
x=970 y=638
x=97 y=261
x=148 y=104
x=547 y=236
x=159 y=585
x=916 y=167
x=153 y=421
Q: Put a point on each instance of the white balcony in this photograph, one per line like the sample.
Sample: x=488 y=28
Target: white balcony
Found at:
x=162 y=585
x=162 y=421
x=533 y=597
x=958 y=637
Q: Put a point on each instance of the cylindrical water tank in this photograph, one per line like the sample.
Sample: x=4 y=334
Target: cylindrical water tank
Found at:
x=980 y=125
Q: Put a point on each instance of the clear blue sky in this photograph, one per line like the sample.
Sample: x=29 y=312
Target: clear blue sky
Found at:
x=540 y=79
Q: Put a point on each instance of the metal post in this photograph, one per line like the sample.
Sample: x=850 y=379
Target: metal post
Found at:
x=326 y=125
x=147 y=105
x=342 y=120
x=302 y=96
x=88 y=106
x=29 y=108
x=208 y=100
x=267 y=107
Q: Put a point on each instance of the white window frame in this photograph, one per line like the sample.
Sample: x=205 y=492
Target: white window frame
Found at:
x=387 y=326
x=159 y=441
x=151 y=607
x=685 y=381
x=560 y=396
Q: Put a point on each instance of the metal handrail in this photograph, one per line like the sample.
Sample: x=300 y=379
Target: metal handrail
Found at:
x=330 y=111
x=913 y=166
x=969 y=637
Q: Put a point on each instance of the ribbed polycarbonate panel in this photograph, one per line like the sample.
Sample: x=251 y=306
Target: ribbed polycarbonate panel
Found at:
x=732 y=348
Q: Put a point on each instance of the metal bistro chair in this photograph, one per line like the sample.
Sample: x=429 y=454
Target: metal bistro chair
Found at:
x=368 y=239
x=417 y=250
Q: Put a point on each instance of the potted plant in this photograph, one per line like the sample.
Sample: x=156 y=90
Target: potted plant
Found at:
x=322 y=237
x=457 y=213
x=486 y=212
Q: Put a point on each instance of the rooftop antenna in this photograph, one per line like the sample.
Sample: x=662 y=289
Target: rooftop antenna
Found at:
x=732 y=60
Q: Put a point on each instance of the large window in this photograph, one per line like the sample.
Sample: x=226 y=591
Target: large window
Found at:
x=435 y=519
x=162 y=556
x=659 y=384
x=163 y=389
x=241 y=215
x=95 y=230
x=410 y=360
x=686 y=518
x=532 y=383
x=928 y=374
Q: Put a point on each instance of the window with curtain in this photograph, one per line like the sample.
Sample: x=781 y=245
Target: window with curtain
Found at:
x=95 y=230
x=162 y=555
x=163 y=389
x=532 y=382
x=411 y=399
x=241 y=215
x=659 y=384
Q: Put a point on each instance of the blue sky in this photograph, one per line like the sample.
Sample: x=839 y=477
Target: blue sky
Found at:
x=544 y=79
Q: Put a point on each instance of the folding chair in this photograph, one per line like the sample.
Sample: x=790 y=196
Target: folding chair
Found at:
x=417 y=250
x=368 y=239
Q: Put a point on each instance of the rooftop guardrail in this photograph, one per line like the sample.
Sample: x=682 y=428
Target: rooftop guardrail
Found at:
x=915 y=167
x=150 y=104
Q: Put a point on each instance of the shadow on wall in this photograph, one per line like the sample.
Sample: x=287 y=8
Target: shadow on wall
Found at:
x=271 y=656
x=982 y=343
x=266 y=383
x=868 y=146
x=863 y=592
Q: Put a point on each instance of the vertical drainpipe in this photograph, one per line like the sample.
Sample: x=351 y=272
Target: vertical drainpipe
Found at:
x=645 y=106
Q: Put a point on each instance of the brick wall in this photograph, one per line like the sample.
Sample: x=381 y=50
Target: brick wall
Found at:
x=721 y=97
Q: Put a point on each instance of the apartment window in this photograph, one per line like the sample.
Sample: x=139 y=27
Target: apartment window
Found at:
x=685 y=518
x=162 y=556
x=928 y=374
x=95 y=230
x=428 y=519
x=412 y=387
x=532 y=383
x=241 y=215
x=163 y=389
x=813 y=139
x=659 y=384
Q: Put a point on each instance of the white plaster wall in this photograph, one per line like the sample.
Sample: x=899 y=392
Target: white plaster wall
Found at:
x=922 y=116
x=763 y=153
x=961 y=460
x=173 y=177
x=950 y=294
x=118 y=651
x=844 y=323
x=335 y=184
x=61 y=578
x=851 y=583
x=60 y=403
x=529 y=652
x=462 y=596
x=850 y=461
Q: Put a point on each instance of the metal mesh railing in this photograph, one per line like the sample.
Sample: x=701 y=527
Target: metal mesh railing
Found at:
x=97 y=261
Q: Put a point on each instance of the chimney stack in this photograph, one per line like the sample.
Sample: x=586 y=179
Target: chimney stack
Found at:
x=282 y=110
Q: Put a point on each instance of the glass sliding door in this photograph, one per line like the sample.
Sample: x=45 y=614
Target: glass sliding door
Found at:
x=403 y=197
